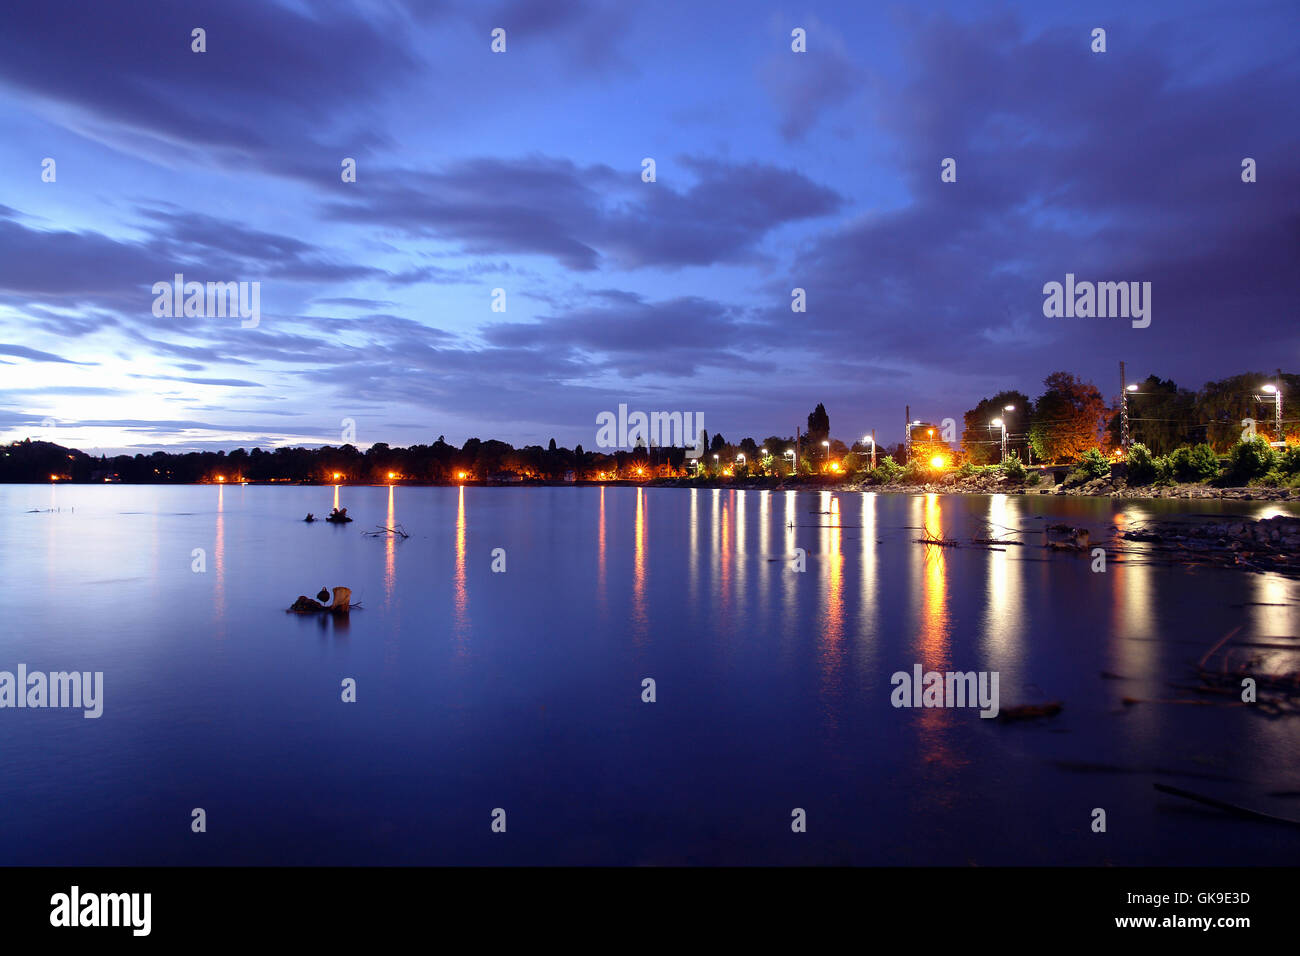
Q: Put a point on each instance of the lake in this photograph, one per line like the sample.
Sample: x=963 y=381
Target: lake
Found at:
x=522 y=689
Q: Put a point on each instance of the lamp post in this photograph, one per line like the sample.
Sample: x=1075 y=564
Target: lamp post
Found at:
x=1276 y=392
x=789 y=453
x=999 y=423
x=910 y=426
x=1005 y=409
x=827 y=456
x=1124 y=439
x=872 y=438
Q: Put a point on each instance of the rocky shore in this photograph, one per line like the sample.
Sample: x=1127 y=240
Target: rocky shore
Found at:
x=989 y=484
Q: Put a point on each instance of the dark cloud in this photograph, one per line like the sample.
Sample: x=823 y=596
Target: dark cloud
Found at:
x=582 y=216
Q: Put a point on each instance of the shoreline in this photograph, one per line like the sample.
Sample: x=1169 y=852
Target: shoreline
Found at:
x=1098 y=488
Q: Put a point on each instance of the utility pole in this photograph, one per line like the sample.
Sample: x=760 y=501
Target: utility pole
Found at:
x=907 y=443
x=1277 y=397
x=1123 y=410
x=873 y=449
x=796 y=449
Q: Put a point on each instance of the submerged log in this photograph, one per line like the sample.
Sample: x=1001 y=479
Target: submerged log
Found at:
x=341 y=605
x=1031 y=711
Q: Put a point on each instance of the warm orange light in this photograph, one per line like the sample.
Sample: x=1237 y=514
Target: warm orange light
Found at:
x=937 y=461
x=337 y=476
x=221 y=477
x=392 y=474
x=835 y=466
x=54 y=477
x=640 y=471
x=462 y=475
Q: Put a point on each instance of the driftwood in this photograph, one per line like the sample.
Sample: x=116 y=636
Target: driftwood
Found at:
x=341 y=605
x=1223 y=805
x=932 y=538
x=381 y=530
x=1063 y=537
x=1031 y=711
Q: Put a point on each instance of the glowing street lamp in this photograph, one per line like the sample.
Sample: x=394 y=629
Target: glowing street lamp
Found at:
x=910 y=426
x=999 y=423
x=871 y=438
x=789 y=453
x=1006 y=408
x=827 y=446
x=1276 y=392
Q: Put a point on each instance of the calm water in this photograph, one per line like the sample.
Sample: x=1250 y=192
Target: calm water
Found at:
x=522 y=690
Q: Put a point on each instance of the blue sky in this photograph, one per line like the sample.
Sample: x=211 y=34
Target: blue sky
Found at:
x=522 y=171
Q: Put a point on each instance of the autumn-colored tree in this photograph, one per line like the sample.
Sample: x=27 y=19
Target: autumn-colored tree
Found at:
x=1068 y=418
x=981 y=442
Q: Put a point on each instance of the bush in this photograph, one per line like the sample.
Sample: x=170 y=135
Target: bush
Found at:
x=1288 y=461
x=1013 y=468
x=1092 y=465
x=1033 y=478
x=913 y=473
x=1250 y=460
x=886 y=472
x=1194 y=464
x=1164 y=468
x=1272 y=479
x=1141 y=466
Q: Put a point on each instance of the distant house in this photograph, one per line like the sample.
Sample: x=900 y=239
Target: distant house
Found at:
x=570 y=476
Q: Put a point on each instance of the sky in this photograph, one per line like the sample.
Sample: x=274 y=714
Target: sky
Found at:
x=522 y=171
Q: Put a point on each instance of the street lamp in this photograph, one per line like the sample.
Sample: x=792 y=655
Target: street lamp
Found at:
x=871 y=438
x=999 y=423
x=789 y=453
x=910 y=426
x=1276 y=392
x=1006 y=408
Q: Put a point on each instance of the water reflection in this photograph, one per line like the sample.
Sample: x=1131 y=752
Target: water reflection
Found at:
x=640 y=620
x=934 y=632
x=390 y=552
x=219 y=565
x=1004 y=591
x=601 y=595
x=693 y=549
x=831 y=638
x=460 y=591
x=868 y=601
